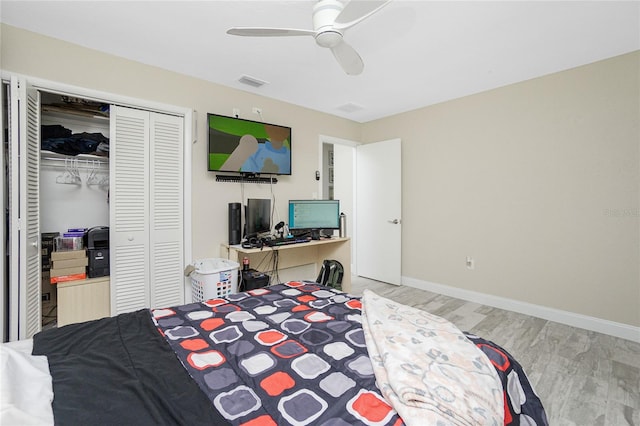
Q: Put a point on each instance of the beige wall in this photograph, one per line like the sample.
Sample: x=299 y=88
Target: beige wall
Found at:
x=46 y=58
x=537 y=181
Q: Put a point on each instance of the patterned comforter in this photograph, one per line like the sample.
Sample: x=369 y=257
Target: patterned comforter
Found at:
x=287 y=354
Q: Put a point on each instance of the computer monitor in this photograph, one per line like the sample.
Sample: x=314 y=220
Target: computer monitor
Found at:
x=257 y=217
x=313 y=215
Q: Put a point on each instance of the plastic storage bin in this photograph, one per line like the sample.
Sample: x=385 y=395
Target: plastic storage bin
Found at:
x=213 y=278
x=68 y=243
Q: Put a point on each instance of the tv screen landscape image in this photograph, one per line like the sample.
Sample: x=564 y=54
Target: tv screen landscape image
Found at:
x=246 y=146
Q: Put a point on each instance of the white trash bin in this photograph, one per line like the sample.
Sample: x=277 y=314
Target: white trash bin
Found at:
x=213 y=278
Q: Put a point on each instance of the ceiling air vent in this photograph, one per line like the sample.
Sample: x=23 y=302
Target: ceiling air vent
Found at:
x=350 y=107
x=251 y=81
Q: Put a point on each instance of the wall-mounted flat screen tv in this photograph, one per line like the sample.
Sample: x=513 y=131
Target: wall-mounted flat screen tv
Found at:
x=245 y=146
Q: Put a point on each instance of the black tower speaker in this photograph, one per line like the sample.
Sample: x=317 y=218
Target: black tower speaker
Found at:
x=235 y=223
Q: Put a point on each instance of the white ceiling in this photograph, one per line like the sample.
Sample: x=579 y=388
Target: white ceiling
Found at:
x=416 y=53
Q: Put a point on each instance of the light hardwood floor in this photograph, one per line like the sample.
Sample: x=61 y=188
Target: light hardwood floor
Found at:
x=582 y=377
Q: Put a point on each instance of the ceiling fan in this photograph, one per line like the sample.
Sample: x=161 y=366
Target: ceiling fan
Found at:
x=330 y=19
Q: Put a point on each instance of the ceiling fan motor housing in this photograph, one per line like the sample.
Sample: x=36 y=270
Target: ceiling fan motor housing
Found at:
x=324 y=16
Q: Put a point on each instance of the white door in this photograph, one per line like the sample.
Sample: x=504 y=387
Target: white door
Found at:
x=166 y=276
x=146 y=210
x=379 y=211
x=128 y=209
x=24 y=234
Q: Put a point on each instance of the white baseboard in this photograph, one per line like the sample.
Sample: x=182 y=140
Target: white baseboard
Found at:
x=611 y=328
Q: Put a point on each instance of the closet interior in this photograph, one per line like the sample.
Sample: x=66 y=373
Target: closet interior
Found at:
x=95 y=207
x=73 y=197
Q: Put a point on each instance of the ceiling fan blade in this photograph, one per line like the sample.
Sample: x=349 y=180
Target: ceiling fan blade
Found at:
x=348 y=58
x=356 y=11
x=268 y=32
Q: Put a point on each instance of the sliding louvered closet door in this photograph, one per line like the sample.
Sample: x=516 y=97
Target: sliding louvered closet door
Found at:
x=146 y=241
x=166 y=238
x=24 y=232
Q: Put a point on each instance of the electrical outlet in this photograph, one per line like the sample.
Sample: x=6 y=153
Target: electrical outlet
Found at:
x=470 y=263
x=257 y=110
x=236 y=112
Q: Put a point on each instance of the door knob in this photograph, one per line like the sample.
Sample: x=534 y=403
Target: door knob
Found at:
x=394 y=221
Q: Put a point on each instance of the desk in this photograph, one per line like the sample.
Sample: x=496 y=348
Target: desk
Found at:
x=296 y=255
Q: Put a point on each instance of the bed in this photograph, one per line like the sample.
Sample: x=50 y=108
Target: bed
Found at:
x=295 y=353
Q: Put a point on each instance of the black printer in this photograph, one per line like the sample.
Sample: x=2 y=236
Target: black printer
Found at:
x=97 y=244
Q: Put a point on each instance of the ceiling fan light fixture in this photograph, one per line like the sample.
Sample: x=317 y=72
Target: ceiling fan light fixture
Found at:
x=329 y=38
x=251 y=81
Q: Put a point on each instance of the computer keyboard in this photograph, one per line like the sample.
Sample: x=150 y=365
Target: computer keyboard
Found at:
x=285 y=241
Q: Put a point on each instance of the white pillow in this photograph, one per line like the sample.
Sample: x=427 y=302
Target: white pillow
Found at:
x=26 y=390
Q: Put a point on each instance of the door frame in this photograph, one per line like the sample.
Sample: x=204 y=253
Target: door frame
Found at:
x=325 y=139
x=4 y=267
x=190 y=137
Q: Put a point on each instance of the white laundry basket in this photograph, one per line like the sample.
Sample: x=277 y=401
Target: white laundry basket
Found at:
x=214 y=278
